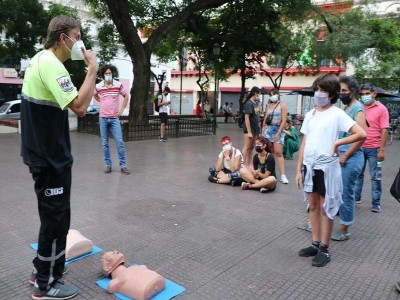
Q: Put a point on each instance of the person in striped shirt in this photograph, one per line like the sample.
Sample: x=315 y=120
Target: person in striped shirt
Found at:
x=107 y=92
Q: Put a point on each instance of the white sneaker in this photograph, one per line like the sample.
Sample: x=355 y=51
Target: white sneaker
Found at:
x=284 y=179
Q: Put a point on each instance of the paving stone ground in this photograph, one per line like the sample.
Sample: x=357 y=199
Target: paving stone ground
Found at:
x=216 y=240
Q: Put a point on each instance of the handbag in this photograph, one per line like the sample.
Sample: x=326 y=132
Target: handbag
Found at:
x=395 y=189
x=268 y=120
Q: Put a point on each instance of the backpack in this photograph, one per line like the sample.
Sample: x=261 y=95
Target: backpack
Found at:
x=240 y=120
x=156 y=107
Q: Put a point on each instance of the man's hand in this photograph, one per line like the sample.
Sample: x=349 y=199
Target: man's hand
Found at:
x=249 y=135
x=90 y=58
x=381 y=154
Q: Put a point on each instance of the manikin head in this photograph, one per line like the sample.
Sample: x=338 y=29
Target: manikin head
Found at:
x=110 y=261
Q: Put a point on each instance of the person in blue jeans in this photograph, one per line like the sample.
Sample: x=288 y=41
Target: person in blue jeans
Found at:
x=350 y=156
x=373 y=147
x=107 y=92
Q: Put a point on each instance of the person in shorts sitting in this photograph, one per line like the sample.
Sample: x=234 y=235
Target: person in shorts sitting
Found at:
x=226 y=169
x=263 y=177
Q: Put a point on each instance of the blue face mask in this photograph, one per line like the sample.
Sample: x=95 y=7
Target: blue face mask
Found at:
x=366 y=99
x=108 y=78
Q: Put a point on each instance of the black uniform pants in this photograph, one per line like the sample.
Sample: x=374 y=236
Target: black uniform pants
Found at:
x=53 y=190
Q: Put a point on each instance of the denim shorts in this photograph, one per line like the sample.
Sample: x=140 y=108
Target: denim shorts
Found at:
x=270 y=132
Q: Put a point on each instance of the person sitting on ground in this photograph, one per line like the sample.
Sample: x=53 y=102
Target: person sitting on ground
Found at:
x=263 y=176
x=229 y=162
x=291 y=144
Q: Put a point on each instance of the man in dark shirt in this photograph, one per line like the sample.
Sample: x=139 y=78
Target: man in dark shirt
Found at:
x=47 y=92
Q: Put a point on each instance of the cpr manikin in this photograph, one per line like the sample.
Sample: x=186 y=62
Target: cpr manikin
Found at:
x=77 y=245
x=135 y=282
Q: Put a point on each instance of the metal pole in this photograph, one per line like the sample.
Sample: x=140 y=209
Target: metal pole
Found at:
x=215 y=102
x=180 y=93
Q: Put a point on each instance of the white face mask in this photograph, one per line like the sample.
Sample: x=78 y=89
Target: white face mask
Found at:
x=227 y=147
x=108 y=78
x=321 y=98
x=76 y=52
x=274 y=98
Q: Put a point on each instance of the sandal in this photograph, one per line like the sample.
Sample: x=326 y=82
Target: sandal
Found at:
x=305 y=226
x=341 y=236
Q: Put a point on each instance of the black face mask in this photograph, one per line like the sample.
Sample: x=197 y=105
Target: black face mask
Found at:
x=345 y=98
x=259 y=149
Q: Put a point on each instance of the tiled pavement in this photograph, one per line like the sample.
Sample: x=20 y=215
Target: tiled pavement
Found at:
x=216 y=240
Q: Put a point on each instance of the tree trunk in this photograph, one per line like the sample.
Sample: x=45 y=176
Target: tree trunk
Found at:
x=140 y=91
x=140 y=53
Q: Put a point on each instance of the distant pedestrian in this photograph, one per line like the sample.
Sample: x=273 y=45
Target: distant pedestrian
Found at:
x=206 y=106
x=107 y=92
x=374 y=146
x=47 y=93
x=163 y=103
x=320 y=164
x=225 y=109
x=251 y=126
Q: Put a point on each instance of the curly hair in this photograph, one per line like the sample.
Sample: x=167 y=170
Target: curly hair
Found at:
x=330 y=84
x=110 y=67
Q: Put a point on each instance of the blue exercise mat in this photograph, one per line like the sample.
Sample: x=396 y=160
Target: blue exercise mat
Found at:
x=171 y=290
x=95 y=250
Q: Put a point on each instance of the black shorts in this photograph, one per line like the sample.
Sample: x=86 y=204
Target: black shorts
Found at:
x=318 y=181
x=163 y=117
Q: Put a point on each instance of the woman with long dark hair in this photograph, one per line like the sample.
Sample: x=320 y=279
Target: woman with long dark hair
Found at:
x=251 y=126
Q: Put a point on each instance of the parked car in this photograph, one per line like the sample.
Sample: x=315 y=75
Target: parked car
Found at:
x=93 y=110
x=11 y=109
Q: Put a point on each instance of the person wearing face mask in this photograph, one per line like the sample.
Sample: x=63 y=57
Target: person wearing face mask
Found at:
x=373 y=147
x=350 y=156
x=262 y=177
x=47 y=93
x=107 y=92
x=273 y=129
x=251 y=126
x=319 y=163
x=291 y=144
x=230 y=161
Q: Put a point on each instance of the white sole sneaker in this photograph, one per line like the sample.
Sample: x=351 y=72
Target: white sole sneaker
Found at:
x=284 y=180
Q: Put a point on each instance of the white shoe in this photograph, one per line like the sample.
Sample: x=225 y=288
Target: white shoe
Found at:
x=284 y=179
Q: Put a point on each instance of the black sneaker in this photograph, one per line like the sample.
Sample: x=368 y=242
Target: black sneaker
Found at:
x=58 y=290
x=32 y=278
x=164 y=139
x=321 y=259
x=309 y=251
x=212 y=179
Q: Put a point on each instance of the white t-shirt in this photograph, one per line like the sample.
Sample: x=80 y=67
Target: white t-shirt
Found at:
x=322 y=130
x=236 y=153
x=163 y=108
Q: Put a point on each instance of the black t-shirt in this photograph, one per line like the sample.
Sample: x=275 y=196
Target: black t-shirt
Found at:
x=268 y=165
x=45 y=138
x=251 y=109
